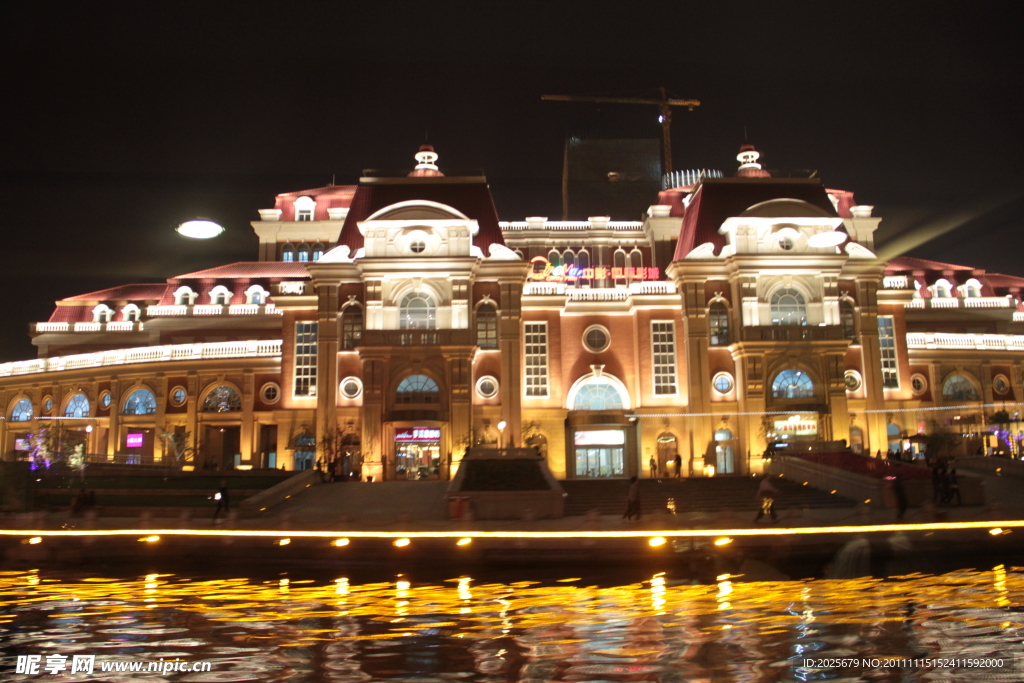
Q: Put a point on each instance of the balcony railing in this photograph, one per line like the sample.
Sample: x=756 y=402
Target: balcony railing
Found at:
x=792 y=333
x=113 y=326
x=418 y=338
x=145 y=354
x=212 y=309
x=513 y=226
x=966 y=302
x=978 y=342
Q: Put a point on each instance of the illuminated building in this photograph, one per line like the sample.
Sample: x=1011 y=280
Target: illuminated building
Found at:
x=401 y=319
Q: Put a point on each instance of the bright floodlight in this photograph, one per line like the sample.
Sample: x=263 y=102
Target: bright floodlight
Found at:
x=832 y=238
x=200 y=229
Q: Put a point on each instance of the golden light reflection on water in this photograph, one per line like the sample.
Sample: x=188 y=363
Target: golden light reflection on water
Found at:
x=660 y=629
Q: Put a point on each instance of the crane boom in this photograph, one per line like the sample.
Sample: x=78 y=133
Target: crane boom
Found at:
x=664 y=104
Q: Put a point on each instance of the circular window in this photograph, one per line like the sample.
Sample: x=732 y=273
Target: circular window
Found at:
x=918 y=384
x=47 y=404
x=105 y=399
x=417 y=246
x=270 y=392
x=1001 y=384
x=722 y=382
x=853 y=380
x=351 y=387
x=178 y=396
x=487 y=387
x=785 y=243
x=596 y=339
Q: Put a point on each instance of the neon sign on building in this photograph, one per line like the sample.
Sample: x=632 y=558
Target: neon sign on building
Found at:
x=545 y=272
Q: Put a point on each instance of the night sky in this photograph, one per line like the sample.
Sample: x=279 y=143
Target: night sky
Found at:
x=122 y=120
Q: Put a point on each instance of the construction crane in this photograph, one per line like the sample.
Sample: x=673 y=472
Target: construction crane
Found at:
x=665 y=104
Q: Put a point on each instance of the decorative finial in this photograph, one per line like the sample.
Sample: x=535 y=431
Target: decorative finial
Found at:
x=426 y=165
x=749 y=167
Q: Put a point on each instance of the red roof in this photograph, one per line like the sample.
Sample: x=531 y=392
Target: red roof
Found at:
x=902 y=263
x=249 y=269
x=473 y=199
x=993 y=284
x=330 y=197
x=717 y=199
x=136 y=292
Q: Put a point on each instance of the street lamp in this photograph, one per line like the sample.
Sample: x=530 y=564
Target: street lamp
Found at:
x=501 y=433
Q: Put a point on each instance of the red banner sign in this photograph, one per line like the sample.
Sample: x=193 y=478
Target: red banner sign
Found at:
x=544 y=271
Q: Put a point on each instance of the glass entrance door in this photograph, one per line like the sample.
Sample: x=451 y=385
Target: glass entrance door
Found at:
x=600 y=453
x=417 y=452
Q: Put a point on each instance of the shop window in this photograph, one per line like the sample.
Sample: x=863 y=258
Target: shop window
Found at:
x=792 y=384
x=417 y=389
x=140 y=402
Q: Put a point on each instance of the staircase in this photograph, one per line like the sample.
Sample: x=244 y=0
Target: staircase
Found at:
x=698 y=494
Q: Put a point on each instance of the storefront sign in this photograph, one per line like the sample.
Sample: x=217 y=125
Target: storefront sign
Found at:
x=601 y=437
x=544 y=271
x=133 y=441
x=796 y=428
x=418 y=434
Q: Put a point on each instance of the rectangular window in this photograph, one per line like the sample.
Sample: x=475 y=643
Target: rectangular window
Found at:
x=663 y=350
x=887 y=345
x=536 y=351
x=305 y=359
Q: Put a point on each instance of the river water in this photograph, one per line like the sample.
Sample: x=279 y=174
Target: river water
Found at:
x=286 y=628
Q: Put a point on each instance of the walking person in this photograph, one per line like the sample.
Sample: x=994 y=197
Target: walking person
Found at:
x=766 y=493
x=954 y=488
x=654 y=467
x=900 y=492
x=221 y=497
x=633 y=499
x=679 y=466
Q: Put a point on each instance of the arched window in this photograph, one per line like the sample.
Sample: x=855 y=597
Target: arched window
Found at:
x=582 y=263
x=302 y=255
x=131 y=313
x=972 y=288
x=486 y=327
x=788 y=307
x=222 y=399
x=184 y=296
x=318 y=251
x=941 y=289
x=351 y=327
x=554 y=258
x=598 y=394
x=256 y=295
x=102 y=314
x=636 y=262
x=304 y=207
x=417 y=312
x=140 y=402
x=846 y=319
x=619 y=261
x=78 y=406
x=417 y=389
x=959 y=388
x=718 y=324
x=287 y=253
x=792 y=384
x=220 y=296
x=22 y=411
